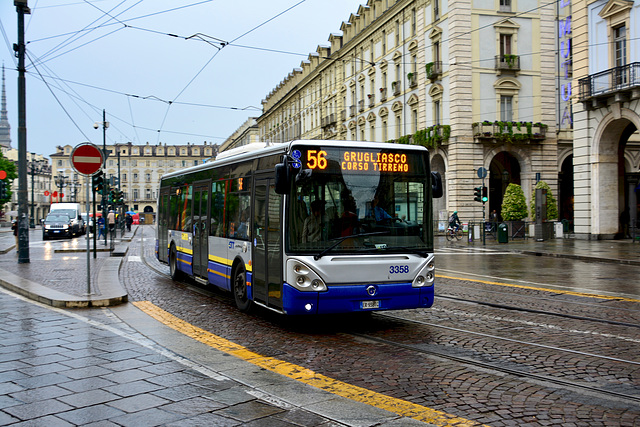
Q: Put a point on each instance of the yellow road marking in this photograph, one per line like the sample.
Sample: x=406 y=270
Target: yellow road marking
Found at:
x=306 y=376
x=555 y=291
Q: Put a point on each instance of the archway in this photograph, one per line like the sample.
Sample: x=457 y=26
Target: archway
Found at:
x=565 y=186
x=504 y=170
x=610 y=183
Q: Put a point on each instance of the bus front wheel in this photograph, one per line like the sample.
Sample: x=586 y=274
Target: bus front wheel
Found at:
x=240 y=291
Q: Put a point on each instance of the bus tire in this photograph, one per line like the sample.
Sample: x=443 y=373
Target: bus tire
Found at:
x=173 y=264
x=240 y=291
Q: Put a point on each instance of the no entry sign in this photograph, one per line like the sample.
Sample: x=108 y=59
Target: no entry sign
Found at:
x=87 y=159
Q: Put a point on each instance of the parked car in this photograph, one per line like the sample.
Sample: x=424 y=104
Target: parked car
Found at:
x=57 y=225
x=88 y=221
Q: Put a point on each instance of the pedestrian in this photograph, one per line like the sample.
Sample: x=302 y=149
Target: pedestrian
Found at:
x=625 y=220
x=111 y=220
x=128 y=220
x=14 y=228
x=101 y=228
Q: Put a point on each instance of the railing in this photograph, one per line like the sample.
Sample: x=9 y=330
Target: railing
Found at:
x=383 y=94
x=507 y=63
x=361 y=105
x=610 y=81
x=433 y=70
x=372 y=99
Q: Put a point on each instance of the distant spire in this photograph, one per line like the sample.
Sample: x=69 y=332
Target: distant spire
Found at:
x=5 y=127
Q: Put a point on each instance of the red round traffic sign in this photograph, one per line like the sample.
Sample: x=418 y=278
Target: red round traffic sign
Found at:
x=86 y=159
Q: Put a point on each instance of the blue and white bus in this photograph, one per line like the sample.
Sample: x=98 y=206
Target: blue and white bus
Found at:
x=305 y=227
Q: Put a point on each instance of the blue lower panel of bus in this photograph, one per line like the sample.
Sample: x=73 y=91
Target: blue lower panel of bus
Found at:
x=348 y=299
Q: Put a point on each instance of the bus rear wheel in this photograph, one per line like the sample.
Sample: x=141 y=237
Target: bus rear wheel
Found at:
x=173 y=264
x=240 y=291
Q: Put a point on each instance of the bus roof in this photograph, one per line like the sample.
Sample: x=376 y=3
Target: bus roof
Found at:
x=259 y=149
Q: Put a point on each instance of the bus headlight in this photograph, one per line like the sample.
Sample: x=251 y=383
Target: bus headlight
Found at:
x=304 y=278
x=426 y=276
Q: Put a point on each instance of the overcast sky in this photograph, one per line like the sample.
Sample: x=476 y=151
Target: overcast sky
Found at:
x=157 y=67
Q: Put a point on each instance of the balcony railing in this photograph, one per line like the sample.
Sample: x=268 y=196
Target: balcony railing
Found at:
x=383 y=94
x=361 y=105
x=612 y=82
x=434 y=70
x=372 y=99
x=507 y=63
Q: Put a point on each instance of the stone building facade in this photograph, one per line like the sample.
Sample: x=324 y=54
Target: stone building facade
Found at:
x=138 y=167
x=606 y=104
x=474 y=81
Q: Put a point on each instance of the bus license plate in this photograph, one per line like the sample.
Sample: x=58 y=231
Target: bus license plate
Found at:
x=369 y=304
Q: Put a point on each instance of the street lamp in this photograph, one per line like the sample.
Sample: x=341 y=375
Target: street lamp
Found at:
x=35 y=167
x=61 y=182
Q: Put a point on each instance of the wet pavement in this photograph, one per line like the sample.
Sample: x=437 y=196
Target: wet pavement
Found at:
x=119 y=366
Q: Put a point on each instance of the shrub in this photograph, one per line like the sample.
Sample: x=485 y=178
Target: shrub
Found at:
x=514 y=204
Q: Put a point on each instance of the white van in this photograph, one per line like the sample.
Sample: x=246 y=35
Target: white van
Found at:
x=73 y=211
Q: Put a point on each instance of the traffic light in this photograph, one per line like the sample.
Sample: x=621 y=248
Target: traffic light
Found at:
x=485 y=197
x=477 y=194
x=112 y=196
x=118 y=197
x=3 y=190
x=98 y=182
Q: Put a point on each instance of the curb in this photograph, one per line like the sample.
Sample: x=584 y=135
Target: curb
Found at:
x=112 y=292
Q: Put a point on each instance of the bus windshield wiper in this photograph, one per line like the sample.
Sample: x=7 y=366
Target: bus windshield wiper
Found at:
x=420 y=252
x=343 y=238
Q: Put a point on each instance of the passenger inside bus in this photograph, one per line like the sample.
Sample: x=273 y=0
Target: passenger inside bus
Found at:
x=312 y=228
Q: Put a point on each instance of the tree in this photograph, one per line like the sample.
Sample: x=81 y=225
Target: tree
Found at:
x=552 y=206
x=10 y=168
x=514 y=203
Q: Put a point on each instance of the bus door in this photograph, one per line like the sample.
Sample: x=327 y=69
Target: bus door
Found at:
x=163 y=224
x=267 y=243
x=200 y=229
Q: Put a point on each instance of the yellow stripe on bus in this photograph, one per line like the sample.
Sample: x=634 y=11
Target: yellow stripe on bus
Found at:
x=304 y=375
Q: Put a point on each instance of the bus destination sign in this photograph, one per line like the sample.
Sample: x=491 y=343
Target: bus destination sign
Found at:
x=356 y=160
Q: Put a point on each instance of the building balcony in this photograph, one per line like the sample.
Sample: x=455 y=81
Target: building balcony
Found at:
x=509 y=132
x=383 y=94
x=343 y=115
x=372 y=99
x=352 y=111
x=361 y=105
x=434 y=70
x=507 y=63
x=395 y=86
x=413 y=79
x=619 y=83
x=329 y=120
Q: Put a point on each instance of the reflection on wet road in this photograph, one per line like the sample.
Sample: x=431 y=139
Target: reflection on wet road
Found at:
x=560 y=273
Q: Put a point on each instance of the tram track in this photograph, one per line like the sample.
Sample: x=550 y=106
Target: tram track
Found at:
x=535 y=311
x=502 y=369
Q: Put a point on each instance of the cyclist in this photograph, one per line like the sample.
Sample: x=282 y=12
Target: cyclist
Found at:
x=454 y=221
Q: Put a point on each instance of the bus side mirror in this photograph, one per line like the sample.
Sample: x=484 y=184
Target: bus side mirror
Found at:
x=436 y=185
x=282 y=178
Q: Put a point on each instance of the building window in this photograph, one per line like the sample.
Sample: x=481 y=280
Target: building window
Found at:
x=436 y=112
x=414 y=125
x=397 y=33
x=413 y=22
x=506 y=108
x=372 y=135
x=135 y=177
x=398 y=123
x=147 y=194
x=384 y=131
x=136 y=194
x=147 y=177
x=620 y=46
x=384 y=42
x=505 y=45
x=505 y=5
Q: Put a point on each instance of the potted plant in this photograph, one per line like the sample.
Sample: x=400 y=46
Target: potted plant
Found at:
x=514 y=210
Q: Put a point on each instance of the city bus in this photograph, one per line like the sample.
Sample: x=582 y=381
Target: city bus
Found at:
x=305 y=227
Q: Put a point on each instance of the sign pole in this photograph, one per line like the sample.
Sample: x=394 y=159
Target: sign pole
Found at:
x=87 y=159
x=88 y=239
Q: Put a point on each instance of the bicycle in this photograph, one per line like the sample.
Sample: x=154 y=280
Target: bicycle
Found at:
x=453 y=234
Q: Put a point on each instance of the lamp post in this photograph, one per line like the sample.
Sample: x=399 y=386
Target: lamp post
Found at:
x=35 y=167
x=61 y=182
x=105 y=125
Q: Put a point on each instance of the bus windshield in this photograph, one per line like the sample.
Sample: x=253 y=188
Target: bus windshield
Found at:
x=359 y=200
